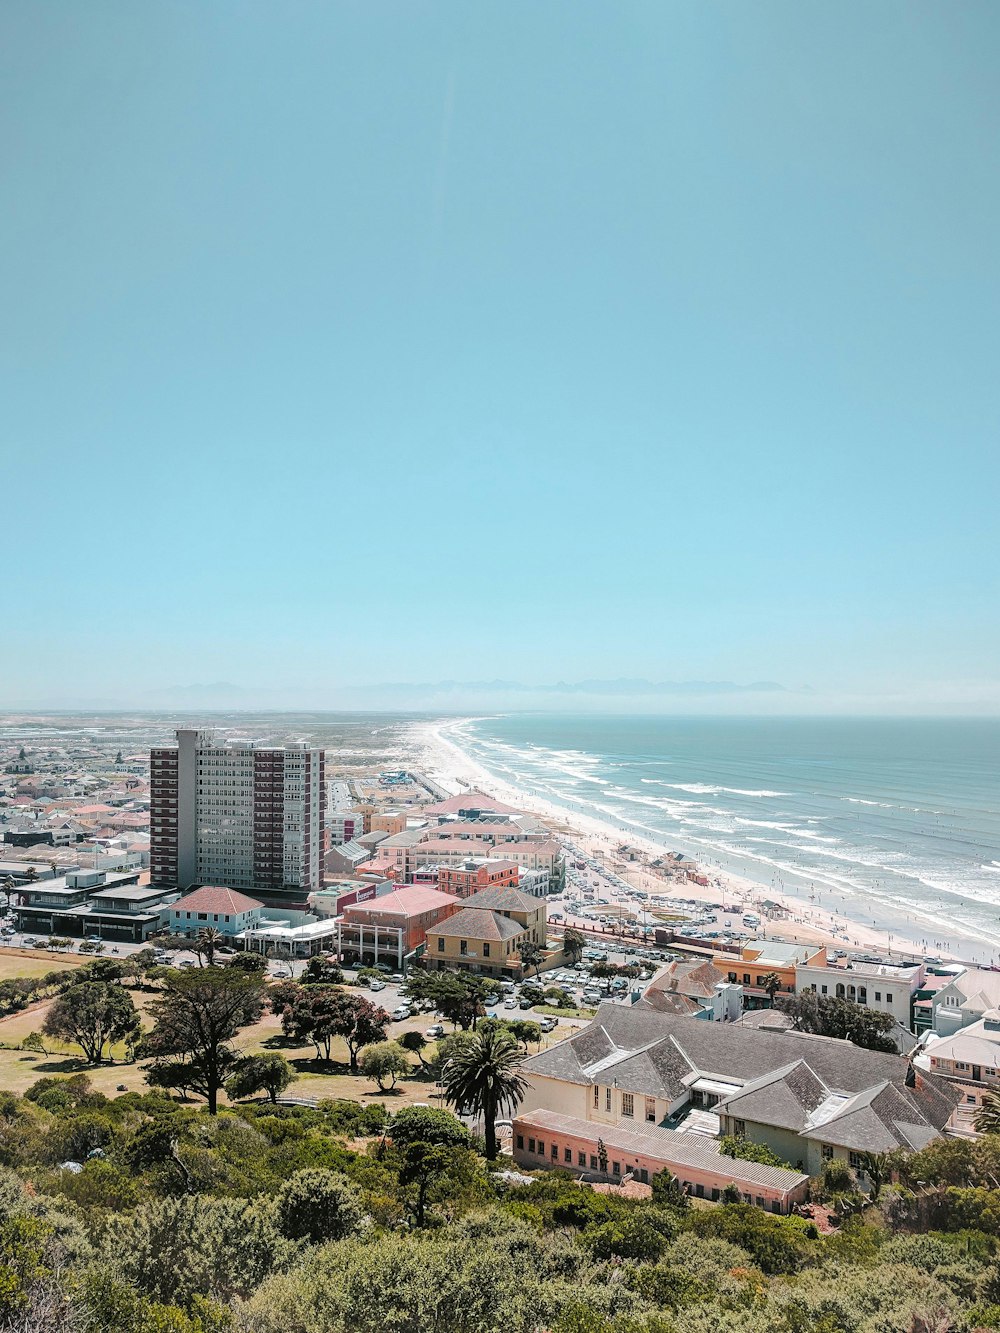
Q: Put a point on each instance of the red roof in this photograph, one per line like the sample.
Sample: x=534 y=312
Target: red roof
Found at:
x=406 y=900
x=216 y=900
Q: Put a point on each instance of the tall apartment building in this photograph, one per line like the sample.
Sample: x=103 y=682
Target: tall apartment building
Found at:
x=236 y=814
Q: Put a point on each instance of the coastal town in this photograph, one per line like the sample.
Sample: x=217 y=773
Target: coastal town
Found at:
x=671 y=1014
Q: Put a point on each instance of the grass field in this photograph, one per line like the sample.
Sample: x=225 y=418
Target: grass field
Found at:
x=19 y=1069
x=35 y=962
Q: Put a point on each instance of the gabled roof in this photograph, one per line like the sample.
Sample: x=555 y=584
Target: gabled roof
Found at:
x=784 y=1098
x=663 y=1053
x=216 y=900
x=878 y=1119
x=469 y=800
x=685 y=978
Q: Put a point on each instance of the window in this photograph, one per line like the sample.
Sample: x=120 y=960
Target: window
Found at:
x=555 y=1152
x=463 y=947
x=888 y=997
x=581 y=1159
x=568 y=1156
x=960 y=1064
x=740 y=1128
x=823 y=990
x=616 y=1168
x=651 y=1110
x=202 y=916
x=607 y=1099
x=732 y=976
x=520 y=1140
x=541 y=1148
x=878 y=997
x=486 y=949
x=628 y=1104
x=597 y=1096
x=531 y=1145
x=827 y=1153
x=855 y=1160
x=746 y=978
x=440 y=944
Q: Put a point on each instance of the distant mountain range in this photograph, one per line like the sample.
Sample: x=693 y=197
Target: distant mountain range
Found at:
x=623 y=685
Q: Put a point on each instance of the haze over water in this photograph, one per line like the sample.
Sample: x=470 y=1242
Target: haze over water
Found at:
x=895 y=821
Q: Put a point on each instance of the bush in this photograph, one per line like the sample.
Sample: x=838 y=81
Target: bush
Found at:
x=317 y=1206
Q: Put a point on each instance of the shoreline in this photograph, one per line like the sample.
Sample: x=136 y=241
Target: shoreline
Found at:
x=808 y=922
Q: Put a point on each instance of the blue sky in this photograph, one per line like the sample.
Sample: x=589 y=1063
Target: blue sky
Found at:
x=409 y=342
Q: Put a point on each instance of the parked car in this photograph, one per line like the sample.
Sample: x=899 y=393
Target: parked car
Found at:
x=522 y=1004
x=375 y=984
x=384 y=967
x=282 y=973
x=491 y=1000
x=435 y=1031
x=511 y=1002
x=400 y=1013
x=547 y=1024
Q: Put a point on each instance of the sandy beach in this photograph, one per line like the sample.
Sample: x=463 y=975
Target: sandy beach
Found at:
x=806 y=923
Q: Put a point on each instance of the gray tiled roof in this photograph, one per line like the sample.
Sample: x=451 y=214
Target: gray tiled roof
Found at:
x=659 y=1053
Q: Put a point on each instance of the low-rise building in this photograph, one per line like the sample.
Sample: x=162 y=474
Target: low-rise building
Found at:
x=759 y=959
x=93 y=903
x=346 y=859
x=698 y=989
x=632 y=1066
x=227 y=910
x=965 y=999
x=475 y=873
x=477 y=940
x=392 y=926
x=887 y=987
x=548 y=1139
x=969 y=1059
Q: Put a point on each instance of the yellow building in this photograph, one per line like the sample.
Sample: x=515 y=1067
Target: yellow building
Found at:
x=477 y=940
x=521 y=908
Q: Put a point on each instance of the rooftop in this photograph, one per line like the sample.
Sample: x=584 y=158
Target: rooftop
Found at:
x=214 y=899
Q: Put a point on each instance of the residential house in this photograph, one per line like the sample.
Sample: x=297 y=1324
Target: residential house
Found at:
x=886 y=987
x=698 y=989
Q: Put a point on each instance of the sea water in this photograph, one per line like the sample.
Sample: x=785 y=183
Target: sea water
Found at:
x=894 y=822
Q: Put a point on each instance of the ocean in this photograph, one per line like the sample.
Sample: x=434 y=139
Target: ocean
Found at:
x=894 y=822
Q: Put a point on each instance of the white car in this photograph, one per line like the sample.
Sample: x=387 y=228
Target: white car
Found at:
x=510 y=1002
x=375 y=984
x=400 y=1013
x=435 y=1031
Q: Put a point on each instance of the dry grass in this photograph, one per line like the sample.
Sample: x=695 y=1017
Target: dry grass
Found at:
x=19 y=1069
x=36 y=962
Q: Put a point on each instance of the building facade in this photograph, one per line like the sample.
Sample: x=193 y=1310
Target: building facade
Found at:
x=236 y=813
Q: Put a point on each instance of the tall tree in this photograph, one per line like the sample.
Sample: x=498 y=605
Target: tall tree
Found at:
x=987 y=1118
x=196 y=1017
x=430 y=1144
x=530 y=956
x=830 y=1016
x=318 y=1014
x=94 y=1015
x=483 y=1077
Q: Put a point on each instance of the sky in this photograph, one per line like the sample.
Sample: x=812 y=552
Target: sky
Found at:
x=350 y=345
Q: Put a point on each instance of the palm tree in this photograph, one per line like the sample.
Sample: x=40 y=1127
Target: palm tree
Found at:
x=209 y=939
x=483 y=1077
x=770 y=982
x=987 y=1118
x=573 y=943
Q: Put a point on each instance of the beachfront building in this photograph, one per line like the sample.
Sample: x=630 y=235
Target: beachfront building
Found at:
x=247 y=816
x=634 y=1066
x=475 y=873
x=388 y=821
x=637 y=1152
x=759 y=959
x=887 y=987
